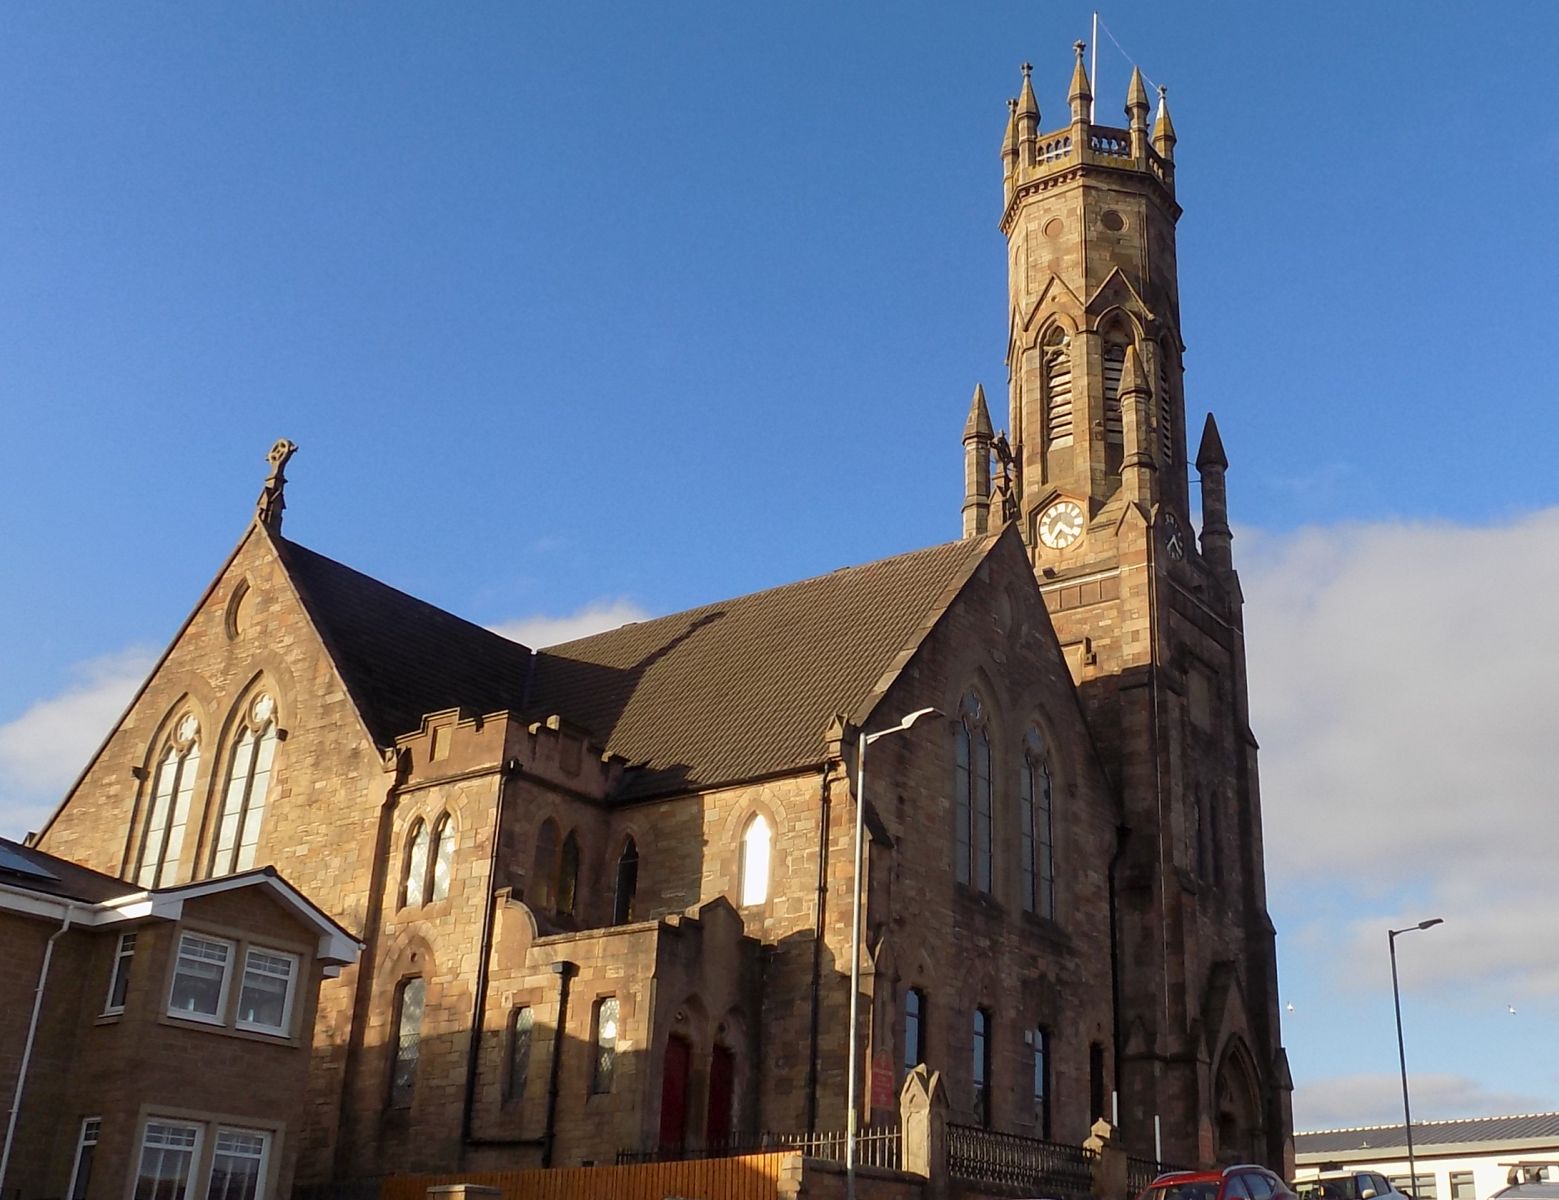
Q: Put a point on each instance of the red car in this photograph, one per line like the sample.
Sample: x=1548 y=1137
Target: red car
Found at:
x=1243 y=1182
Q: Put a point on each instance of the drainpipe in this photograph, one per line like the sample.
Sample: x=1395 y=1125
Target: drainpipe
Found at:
x=1122 y=833
x=483 y=964
x=565 y=971
x=817 y=950
x=32 y=1032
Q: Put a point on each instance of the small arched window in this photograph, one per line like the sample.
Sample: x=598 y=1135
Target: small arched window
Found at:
x=982 y=1068
x=244 y=790
x=442 y=856
x=1114 y=365
x=407 y=1046
x=414 y=885
x=1037 y=829
x=167 y=817
x=914 y=1029
x=627 y=883
x=972 y=796
x=756 y=839
x=568 y=874
x=544 y=867
x=1058 y=389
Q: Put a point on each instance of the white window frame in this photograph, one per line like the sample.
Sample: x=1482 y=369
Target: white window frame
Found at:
x=194 y=1150
x=91 y=1128
x=285 y=1028
x=265 y=1156
x=220 y=1016
x=124 y=953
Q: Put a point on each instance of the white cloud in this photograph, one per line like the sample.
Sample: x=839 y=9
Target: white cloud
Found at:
x=595 y=617
x=1348 y=1101
x=1405 y=688
x=43 y=750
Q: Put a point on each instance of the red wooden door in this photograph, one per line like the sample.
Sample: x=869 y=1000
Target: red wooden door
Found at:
x=673 y=1093
x=722 y=1083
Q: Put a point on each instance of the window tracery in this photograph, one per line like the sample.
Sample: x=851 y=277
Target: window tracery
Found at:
x=167 y=817
x=245 y=788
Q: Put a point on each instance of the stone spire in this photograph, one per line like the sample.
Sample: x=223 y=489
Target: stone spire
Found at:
x=268 y=508
x=978 y=437
x=1137 y=467
x=1028 y=119
x=1009 y=147
x=1212 y=462
x=1137 y=114
x=1081 y=95
x=1163 y=128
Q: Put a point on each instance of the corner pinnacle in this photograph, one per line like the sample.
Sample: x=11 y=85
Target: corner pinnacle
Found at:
x=1081 y=91
x=1210 y=452
x=979 y=422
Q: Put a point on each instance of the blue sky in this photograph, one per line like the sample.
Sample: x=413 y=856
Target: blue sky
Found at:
x=585 y=311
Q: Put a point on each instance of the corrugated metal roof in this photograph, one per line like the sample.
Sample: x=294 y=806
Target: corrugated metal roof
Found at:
x=1467 y=1131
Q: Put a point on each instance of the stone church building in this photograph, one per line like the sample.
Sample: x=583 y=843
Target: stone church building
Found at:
x=605 y=888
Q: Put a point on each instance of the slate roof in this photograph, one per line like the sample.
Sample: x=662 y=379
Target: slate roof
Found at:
x=401 y=657
x=23 y=867
x=1533 y=1127
x=746 y=687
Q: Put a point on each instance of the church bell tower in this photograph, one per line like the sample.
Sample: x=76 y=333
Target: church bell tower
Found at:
x=1094 y=469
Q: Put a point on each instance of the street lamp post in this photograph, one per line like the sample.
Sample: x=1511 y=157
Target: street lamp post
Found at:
x=855 y=935
x=1396 y=1000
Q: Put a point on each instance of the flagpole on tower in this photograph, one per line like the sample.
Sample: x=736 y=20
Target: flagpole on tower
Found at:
x=1093 y=70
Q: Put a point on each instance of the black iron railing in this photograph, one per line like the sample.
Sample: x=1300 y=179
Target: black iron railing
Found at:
x=875 y=1146
x=1049 y=1168
x=1142 y=1171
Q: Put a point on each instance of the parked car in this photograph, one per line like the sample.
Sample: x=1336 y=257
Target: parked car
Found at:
x=1530 y=1180
x=1242 y=1182
x=1347 y=1185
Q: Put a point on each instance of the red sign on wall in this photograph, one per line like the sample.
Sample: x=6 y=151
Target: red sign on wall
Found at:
x=882 y=1080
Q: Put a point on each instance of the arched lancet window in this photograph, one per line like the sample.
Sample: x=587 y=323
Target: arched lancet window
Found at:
x=1058 y=389
x=442 y=856
x=1037 y=833
x=543 y=878
x=1166 y=408
x=407 y=1045
x=414 y=885
x=1114 y=364
x=568 y=874
x=914 y=1029
x=627 y=883
x=982 y=1067
x=756 y=839
x=244 y=790
x=167 y=817
x=972 y=796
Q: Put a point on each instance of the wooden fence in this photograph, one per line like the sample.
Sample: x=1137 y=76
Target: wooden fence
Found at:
x=747 y=1177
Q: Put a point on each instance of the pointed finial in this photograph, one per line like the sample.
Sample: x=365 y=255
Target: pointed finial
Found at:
x=268 y=508
x=979 y=422
x=1081 y=95
x=1133 y=378
x=1210 y=453
x=1163 y=128
x=1009 y=142
x=1136 y=97
x=1028 y=105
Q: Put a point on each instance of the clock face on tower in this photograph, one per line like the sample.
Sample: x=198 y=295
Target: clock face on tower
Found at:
x=1061 y=524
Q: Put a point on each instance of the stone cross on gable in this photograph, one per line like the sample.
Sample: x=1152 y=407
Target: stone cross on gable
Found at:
x=268 y=509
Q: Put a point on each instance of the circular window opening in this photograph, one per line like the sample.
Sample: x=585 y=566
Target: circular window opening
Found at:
x=1112 y=220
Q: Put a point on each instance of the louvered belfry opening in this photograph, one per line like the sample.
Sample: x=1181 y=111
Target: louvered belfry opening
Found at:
x=1114 y=363
x=1058 y=389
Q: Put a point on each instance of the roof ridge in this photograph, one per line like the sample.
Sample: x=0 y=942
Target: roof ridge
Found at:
x=982 y=543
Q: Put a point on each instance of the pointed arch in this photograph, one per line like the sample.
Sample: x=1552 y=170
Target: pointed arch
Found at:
x=568 y=874
x=973 y=818
x=627 y=882
x=544 y=866
x=414 y=878
x=1238 y=1129
x=1056 y=349
x=177 y=764
x=1036 y=819
x=441 y=856
x=757 y=854
x=252 y=733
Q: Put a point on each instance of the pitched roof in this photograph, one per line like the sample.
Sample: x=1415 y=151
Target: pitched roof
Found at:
x=1532 y=1127
x=48 y=875
x=746 y=687
x=401 y=658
